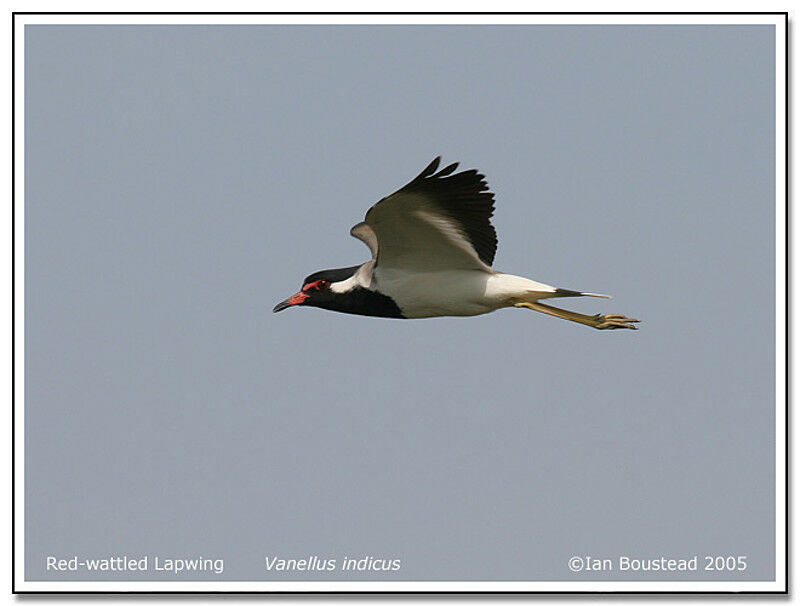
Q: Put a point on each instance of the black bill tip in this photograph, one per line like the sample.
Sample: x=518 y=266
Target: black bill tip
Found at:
x=296 y=299
x=281 y=306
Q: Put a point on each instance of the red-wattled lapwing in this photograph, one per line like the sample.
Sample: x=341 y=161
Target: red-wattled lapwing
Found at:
x=432 y=249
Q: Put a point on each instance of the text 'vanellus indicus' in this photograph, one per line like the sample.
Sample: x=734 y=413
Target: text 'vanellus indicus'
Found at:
x=432 y=247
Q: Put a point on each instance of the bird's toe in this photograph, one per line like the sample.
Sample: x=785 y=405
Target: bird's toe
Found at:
x=614 y=321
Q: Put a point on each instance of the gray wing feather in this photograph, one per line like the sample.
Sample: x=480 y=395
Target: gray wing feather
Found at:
x=366 y=234
x=438 y=221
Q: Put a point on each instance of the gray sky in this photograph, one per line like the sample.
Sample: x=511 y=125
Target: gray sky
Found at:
x=182 y=180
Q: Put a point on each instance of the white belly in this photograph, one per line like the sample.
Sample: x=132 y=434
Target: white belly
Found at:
x=456 y=292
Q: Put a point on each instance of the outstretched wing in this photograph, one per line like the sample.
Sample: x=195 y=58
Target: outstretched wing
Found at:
x=438 y=221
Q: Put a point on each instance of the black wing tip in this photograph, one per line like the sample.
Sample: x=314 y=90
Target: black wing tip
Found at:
x=431 y=168
x=447 y=170
x=566 y=292
x=430 y=171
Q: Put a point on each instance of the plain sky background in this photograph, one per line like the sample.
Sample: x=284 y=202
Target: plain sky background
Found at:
x=180 y=181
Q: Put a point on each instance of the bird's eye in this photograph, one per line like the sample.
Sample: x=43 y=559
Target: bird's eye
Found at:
x=323 y=284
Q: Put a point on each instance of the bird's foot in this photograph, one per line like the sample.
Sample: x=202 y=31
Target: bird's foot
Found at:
x=612 y=321
x=599 y=321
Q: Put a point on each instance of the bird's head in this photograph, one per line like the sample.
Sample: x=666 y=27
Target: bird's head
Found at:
x=316 y=290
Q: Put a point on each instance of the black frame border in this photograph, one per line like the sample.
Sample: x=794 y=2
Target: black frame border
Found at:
x=16 y=591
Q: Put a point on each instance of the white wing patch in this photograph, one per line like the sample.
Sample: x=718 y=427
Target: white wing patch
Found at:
x=450 y=230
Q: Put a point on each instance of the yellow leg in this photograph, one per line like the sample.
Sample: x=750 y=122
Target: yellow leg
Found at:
x=599 y=321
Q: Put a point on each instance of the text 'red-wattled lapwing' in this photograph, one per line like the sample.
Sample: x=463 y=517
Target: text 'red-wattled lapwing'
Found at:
x=432 y=247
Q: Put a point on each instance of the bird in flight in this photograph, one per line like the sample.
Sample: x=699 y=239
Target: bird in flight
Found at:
x=432 y=246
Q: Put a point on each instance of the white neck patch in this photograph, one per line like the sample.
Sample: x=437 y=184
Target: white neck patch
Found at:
x=362 y=278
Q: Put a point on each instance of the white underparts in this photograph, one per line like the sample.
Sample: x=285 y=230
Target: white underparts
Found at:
x=456 y=292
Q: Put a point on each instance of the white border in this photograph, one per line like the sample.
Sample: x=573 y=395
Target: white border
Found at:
x=779 y=584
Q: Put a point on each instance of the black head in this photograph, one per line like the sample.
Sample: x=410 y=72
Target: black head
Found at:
x=317 y=292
